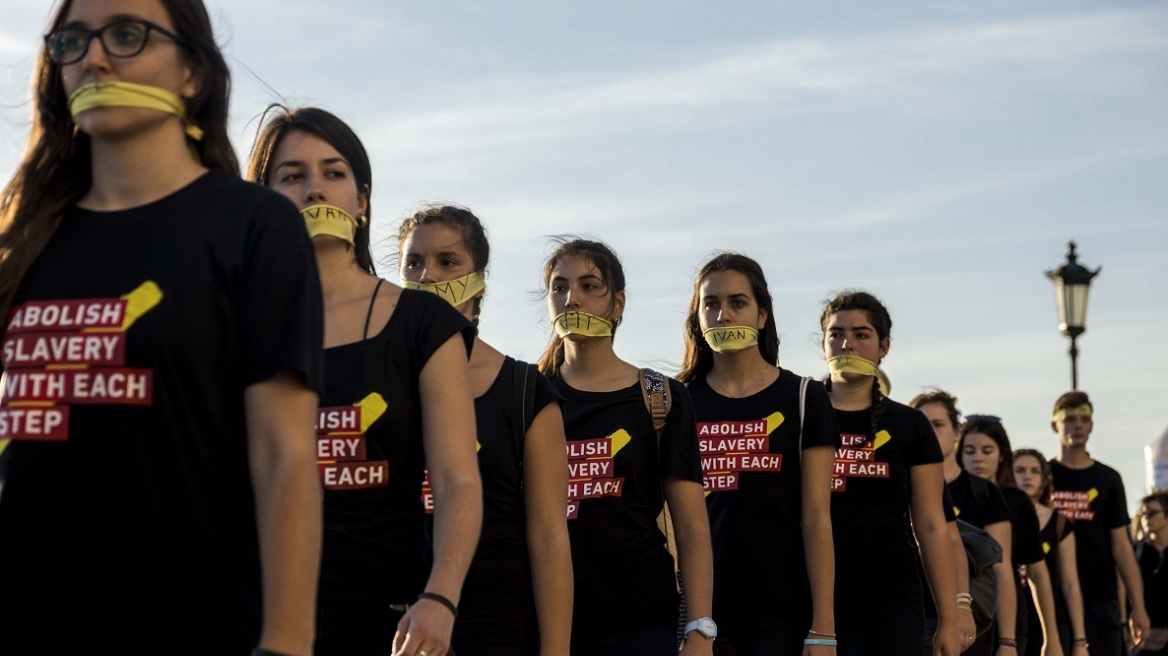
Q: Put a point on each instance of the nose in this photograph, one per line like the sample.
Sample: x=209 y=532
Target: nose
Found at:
x=570 y=301
x=313 y=193
x=95 y=57
x=426 y=277
x=723 y=316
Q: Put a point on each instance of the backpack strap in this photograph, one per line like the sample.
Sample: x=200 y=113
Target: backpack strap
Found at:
x=655 y=392
x=802 y=411
x=523 y=378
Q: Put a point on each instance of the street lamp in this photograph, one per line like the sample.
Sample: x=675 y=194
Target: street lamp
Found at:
x=1071 y=283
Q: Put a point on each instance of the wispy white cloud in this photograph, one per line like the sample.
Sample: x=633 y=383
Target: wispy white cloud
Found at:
x=917 y=70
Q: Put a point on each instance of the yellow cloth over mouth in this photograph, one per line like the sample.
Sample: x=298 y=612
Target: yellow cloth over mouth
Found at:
x=582 y=323
x=331 y=221
x=854 y=364
x=456 y=292
x=731 y=338
x=115 y=93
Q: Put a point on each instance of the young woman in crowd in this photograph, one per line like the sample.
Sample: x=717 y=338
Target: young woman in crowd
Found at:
x=888 y=471
x=518 y=591
x=396 y=397
x=622 y=472
x=985 y=452
x=992 y=514
x=1151 y=545
x=162 y=357
x=770 y=438
x=1032 y=475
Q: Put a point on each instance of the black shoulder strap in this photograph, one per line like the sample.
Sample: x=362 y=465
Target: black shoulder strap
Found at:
x=802 y=411
x=369 y=312
x=655 y=392
x=523 y=404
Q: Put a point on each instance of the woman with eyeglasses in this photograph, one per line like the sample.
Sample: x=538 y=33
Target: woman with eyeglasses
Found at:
x=984 y=449
x=396 y=398
x=517 y=597
x=1151 y=544
x=770 y=439
x=887 y=492
x=159 y=489
x=623 y=473
x=1032 y=474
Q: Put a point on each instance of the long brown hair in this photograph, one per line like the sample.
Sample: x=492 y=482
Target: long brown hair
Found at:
x=611 y=272
x=56 y=170
x=698 y=357
x=993 y=429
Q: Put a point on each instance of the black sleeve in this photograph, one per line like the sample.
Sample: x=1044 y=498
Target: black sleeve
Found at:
x=925 y=449
x=436 y=322
x=1024 y=524
x=679 y=440
x=819 y=424
x=1115 y=512
x=281 y=324
x=545 y=392
x=947 y=501
x=996 y=508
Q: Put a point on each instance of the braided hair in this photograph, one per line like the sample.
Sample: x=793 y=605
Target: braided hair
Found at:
x=854 y=299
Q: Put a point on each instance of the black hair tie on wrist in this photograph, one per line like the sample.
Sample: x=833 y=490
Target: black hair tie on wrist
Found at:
x=434 y=596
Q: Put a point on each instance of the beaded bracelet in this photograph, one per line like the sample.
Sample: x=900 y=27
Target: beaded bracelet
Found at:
x=1007 y=642
x=964 y=596
x=826 y=635
x=1080 y=642
x=823 y=642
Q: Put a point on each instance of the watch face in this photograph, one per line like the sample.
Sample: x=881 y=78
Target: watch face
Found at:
x=704 y=626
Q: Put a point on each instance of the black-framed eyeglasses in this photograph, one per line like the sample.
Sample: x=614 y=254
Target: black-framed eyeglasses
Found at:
x=989 y=419
x=124 y=38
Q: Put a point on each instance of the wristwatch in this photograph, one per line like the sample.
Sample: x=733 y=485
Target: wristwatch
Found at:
x=704 y=626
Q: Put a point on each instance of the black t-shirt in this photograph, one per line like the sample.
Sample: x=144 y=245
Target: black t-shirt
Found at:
x=872 y=491
x=624 y=575
x=1051 y=539
x=1094 y=499
x=972 y=507
x=1026 y=546
x=1155 y=578
x=751 y=458
x=127 y=351
x=370 y=455
x=497 y=602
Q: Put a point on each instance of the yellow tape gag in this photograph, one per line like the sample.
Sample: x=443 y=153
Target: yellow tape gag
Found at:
x=853 y=364
x=115 y=93
x=456 y=292
x=731 y=338
x=331 y=221
x=582 y=323
x=1078 y=411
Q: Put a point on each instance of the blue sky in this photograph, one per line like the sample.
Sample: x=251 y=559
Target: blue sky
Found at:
x=939 y=155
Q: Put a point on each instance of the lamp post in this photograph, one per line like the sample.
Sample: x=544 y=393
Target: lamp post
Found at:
x=1071 y=283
